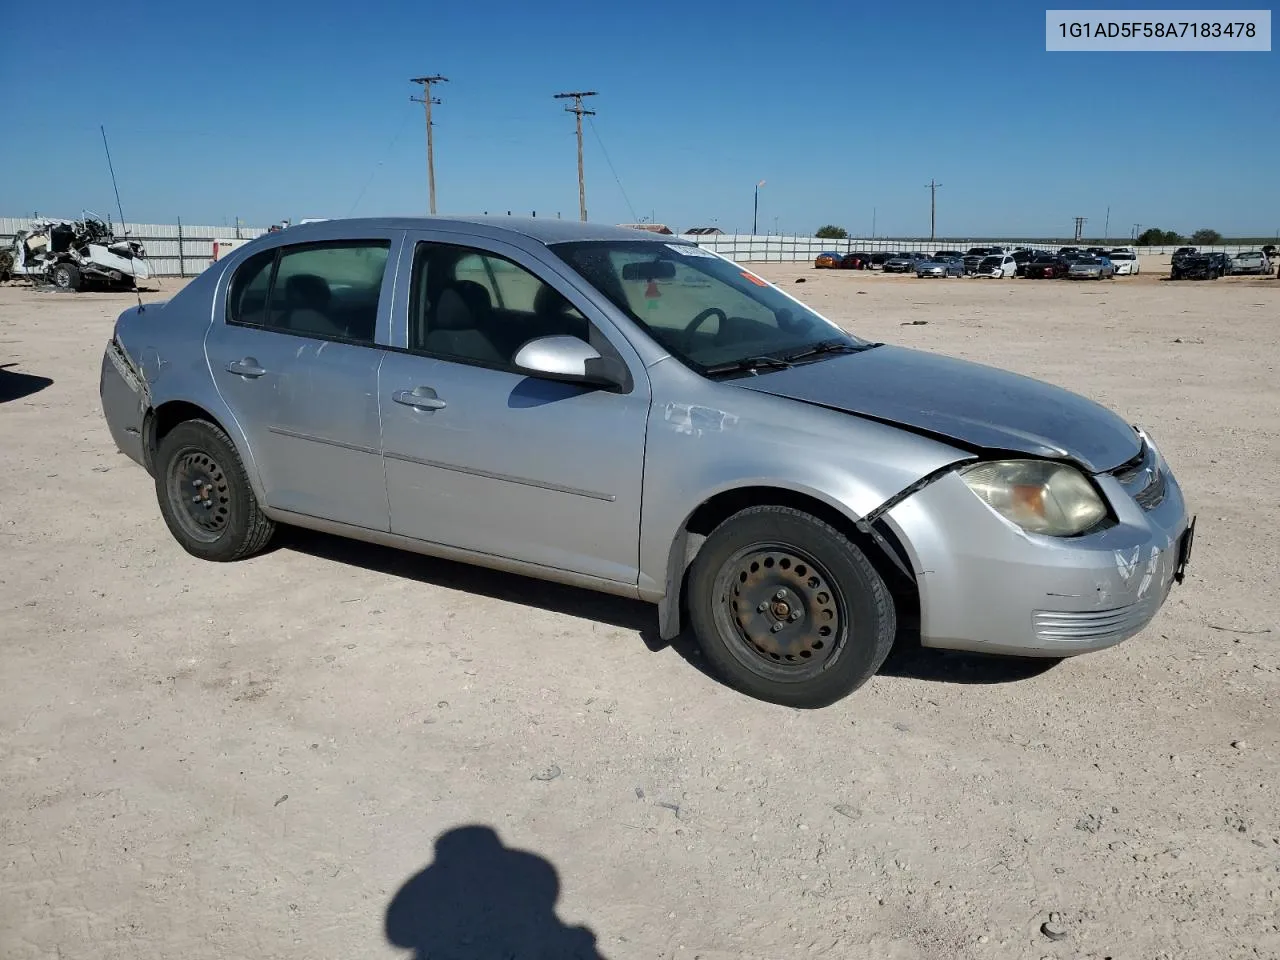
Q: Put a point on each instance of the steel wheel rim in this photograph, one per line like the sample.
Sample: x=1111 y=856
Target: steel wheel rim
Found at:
x=62 y=277
x=199 y=490
x=784 y=616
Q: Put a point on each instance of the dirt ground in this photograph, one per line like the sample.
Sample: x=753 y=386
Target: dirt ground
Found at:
x=339 y=751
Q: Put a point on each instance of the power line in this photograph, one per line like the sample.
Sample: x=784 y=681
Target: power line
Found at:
x=613 y=171
x=579 y=112
x=933 y=208
x=1080 y=222
x=374 y=172
x=427 y=100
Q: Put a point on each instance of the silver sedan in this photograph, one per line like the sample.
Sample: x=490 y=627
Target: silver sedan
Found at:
x=940 y=267
x=633 y=414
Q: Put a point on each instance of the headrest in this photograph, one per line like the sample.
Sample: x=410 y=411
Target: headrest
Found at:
x=307 y=290
x=461 y=305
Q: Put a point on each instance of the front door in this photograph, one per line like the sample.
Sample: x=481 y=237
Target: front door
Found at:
x=482 y=457
x=295 y=359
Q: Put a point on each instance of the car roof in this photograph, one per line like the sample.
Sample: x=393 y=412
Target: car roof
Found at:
x=546 y=230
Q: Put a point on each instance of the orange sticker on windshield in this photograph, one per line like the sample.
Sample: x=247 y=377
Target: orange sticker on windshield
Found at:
x=754 y=279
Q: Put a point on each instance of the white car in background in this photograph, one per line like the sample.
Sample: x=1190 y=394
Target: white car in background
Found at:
x=998 y=265
x=1125 y=261
x=1251 y=261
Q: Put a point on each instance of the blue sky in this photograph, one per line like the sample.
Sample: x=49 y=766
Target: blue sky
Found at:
x=285 y=109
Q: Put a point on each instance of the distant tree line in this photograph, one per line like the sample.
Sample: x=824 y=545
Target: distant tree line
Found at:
x=1155 y=237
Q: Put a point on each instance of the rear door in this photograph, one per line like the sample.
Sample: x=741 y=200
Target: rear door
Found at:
x=294 y=354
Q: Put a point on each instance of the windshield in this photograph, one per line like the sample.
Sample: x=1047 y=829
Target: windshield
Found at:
x=704 y=309
x=991 y=262
x=1120 y=255
x=1089 y=261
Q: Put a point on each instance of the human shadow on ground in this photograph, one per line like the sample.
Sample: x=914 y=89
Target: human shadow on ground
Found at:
x=15 y=386
x=908 y=659
x=478 y=898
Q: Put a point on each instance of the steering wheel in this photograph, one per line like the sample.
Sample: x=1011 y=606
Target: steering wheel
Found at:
x=701 y=318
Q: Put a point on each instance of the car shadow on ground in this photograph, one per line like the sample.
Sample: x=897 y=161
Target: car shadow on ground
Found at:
x=15 y=386
x=478 y=898
x=908 y=658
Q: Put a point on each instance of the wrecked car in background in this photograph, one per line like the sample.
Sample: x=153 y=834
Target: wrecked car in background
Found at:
x=1200 y=266
x=79 y=254
x=508 y=392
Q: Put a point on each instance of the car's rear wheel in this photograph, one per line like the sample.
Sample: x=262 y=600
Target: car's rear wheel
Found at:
x=787 y=609
x=205 y=495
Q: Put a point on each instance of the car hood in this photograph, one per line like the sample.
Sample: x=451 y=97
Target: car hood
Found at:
x=970 y=403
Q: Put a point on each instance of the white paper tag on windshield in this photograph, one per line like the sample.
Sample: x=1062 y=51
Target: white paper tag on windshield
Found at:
x=688 y=250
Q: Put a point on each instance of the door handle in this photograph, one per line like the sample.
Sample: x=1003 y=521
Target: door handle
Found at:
x=248 y=367
x=420 y=398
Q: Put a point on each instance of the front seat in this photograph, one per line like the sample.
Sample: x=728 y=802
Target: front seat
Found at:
x=457 y=329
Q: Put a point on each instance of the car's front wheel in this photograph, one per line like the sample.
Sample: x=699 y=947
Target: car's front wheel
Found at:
x=66 y=276
x=787 y=609
x=205 y=495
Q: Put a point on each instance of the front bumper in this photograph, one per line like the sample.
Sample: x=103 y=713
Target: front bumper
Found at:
x=987 y=586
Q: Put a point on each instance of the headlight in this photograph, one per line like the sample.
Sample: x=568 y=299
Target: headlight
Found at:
x=1039 y=496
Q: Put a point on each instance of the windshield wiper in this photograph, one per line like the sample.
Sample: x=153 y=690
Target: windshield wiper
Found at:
x=747 y=365
x=829 y=346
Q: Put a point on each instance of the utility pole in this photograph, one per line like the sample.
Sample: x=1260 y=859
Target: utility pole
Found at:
x=933 y=208
x=579 y=112
x=755 y=209
x=1080 y=222
x=1137 y=228
x=427 y=100
x=1106 y=230
x=873 y=223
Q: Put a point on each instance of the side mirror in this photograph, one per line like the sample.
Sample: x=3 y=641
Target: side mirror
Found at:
x=569 y=359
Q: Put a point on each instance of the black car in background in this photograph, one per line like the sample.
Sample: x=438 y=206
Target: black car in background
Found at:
x=1179 y=257
x=1201 y=266
x=1022 y=258
x=903 y=262
x=1046 y=266
x=856 y=260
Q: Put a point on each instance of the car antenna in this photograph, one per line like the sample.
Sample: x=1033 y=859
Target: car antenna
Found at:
x=119 y=209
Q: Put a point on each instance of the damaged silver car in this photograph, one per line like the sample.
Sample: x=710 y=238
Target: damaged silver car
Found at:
x=79 y=254
x=633 y=414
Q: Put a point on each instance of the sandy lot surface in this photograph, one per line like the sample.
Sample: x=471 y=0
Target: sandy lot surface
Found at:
x=339 y=751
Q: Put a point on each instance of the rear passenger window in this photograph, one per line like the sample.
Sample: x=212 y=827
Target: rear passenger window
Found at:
x=326 y=290
x=247 y=302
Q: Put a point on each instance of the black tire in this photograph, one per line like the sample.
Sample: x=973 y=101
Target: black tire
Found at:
x=222 y=521
x=66 y=276
x=829 y=609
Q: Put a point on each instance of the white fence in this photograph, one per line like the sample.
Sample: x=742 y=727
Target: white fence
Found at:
x=175 y=250
x=184 y=250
